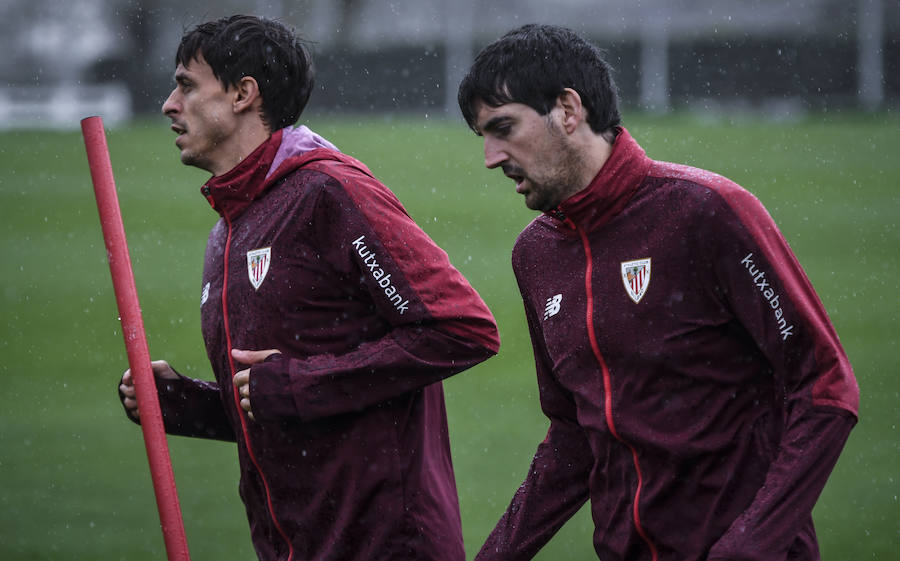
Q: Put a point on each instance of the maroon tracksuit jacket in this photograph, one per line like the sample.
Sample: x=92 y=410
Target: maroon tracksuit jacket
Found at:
x=349 y=456
x=696 y=390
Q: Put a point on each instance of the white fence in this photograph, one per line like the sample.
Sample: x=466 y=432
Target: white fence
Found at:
x=62 y=106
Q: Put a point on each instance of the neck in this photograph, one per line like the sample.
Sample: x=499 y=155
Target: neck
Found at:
x=597 y=150
x=244 y=140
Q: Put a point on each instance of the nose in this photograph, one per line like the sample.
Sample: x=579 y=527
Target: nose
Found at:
x=170 y=105
x=493 y=153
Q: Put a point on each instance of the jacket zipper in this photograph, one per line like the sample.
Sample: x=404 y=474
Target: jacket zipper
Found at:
x=607 y=387
x=237 y=399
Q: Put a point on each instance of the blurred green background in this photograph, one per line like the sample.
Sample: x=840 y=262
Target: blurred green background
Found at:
x=74 y=481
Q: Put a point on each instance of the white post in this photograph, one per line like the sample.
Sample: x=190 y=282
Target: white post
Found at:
x=458 y=49
x=870 y=53
x=655 y=64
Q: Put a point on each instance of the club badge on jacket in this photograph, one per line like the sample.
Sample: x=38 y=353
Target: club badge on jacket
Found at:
x=258 y=265
x=636 y=277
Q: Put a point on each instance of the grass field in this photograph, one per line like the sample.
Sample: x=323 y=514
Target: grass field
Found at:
x=74 y=482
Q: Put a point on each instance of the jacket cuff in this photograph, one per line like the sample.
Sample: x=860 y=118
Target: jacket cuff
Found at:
x=270 y=389
x=164 y=388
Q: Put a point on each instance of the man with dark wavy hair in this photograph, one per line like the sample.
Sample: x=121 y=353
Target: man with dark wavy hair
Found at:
x=697 y=393
x=329 y=318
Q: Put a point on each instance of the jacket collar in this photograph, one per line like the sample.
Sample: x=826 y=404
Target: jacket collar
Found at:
x=231 y=193
x=610 y=190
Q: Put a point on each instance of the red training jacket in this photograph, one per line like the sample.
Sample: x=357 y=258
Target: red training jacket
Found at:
x=696 y=390
x=349 y=456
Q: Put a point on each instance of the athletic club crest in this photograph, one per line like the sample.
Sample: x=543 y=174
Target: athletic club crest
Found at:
x=258 y=265
x=636 y=277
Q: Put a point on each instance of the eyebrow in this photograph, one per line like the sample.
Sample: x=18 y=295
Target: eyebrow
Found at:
x=182 y=76
x=493 y=123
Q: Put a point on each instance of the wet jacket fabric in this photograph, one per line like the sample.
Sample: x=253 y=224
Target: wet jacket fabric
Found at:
x=348 y=456
x=696 y=390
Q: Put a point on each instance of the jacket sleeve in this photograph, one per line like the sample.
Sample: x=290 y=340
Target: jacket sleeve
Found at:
x=772 y=298
x=557 y=482
x=438 y=324
x=191 y=407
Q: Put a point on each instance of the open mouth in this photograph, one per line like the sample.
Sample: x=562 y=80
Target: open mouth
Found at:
x=517 y=176
x=180 y=131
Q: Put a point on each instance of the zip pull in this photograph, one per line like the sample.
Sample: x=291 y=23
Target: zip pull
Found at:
x=561 y=216
x=205 y=191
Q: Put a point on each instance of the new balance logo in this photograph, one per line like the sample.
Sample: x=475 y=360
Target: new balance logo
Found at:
x=552 y=306
x=370 y=262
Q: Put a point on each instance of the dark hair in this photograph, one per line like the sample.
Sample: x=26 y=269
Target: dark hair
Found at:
x=533 y=65
x=266 y=50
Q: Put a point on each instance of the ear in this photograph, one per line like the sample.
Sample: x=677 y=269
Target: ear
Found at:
x=573 y=111
x=246 y=95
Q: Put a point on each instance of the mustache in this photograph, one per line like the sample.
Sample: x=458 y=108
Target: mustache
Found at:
x=510 y=170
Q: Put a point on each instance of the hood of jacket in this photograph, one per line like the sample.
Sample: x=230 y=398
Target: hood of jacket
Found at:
x=287 y=150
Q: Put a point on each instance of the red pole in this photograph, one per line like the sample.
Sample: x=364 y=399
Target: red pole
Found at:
x=135 y=339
